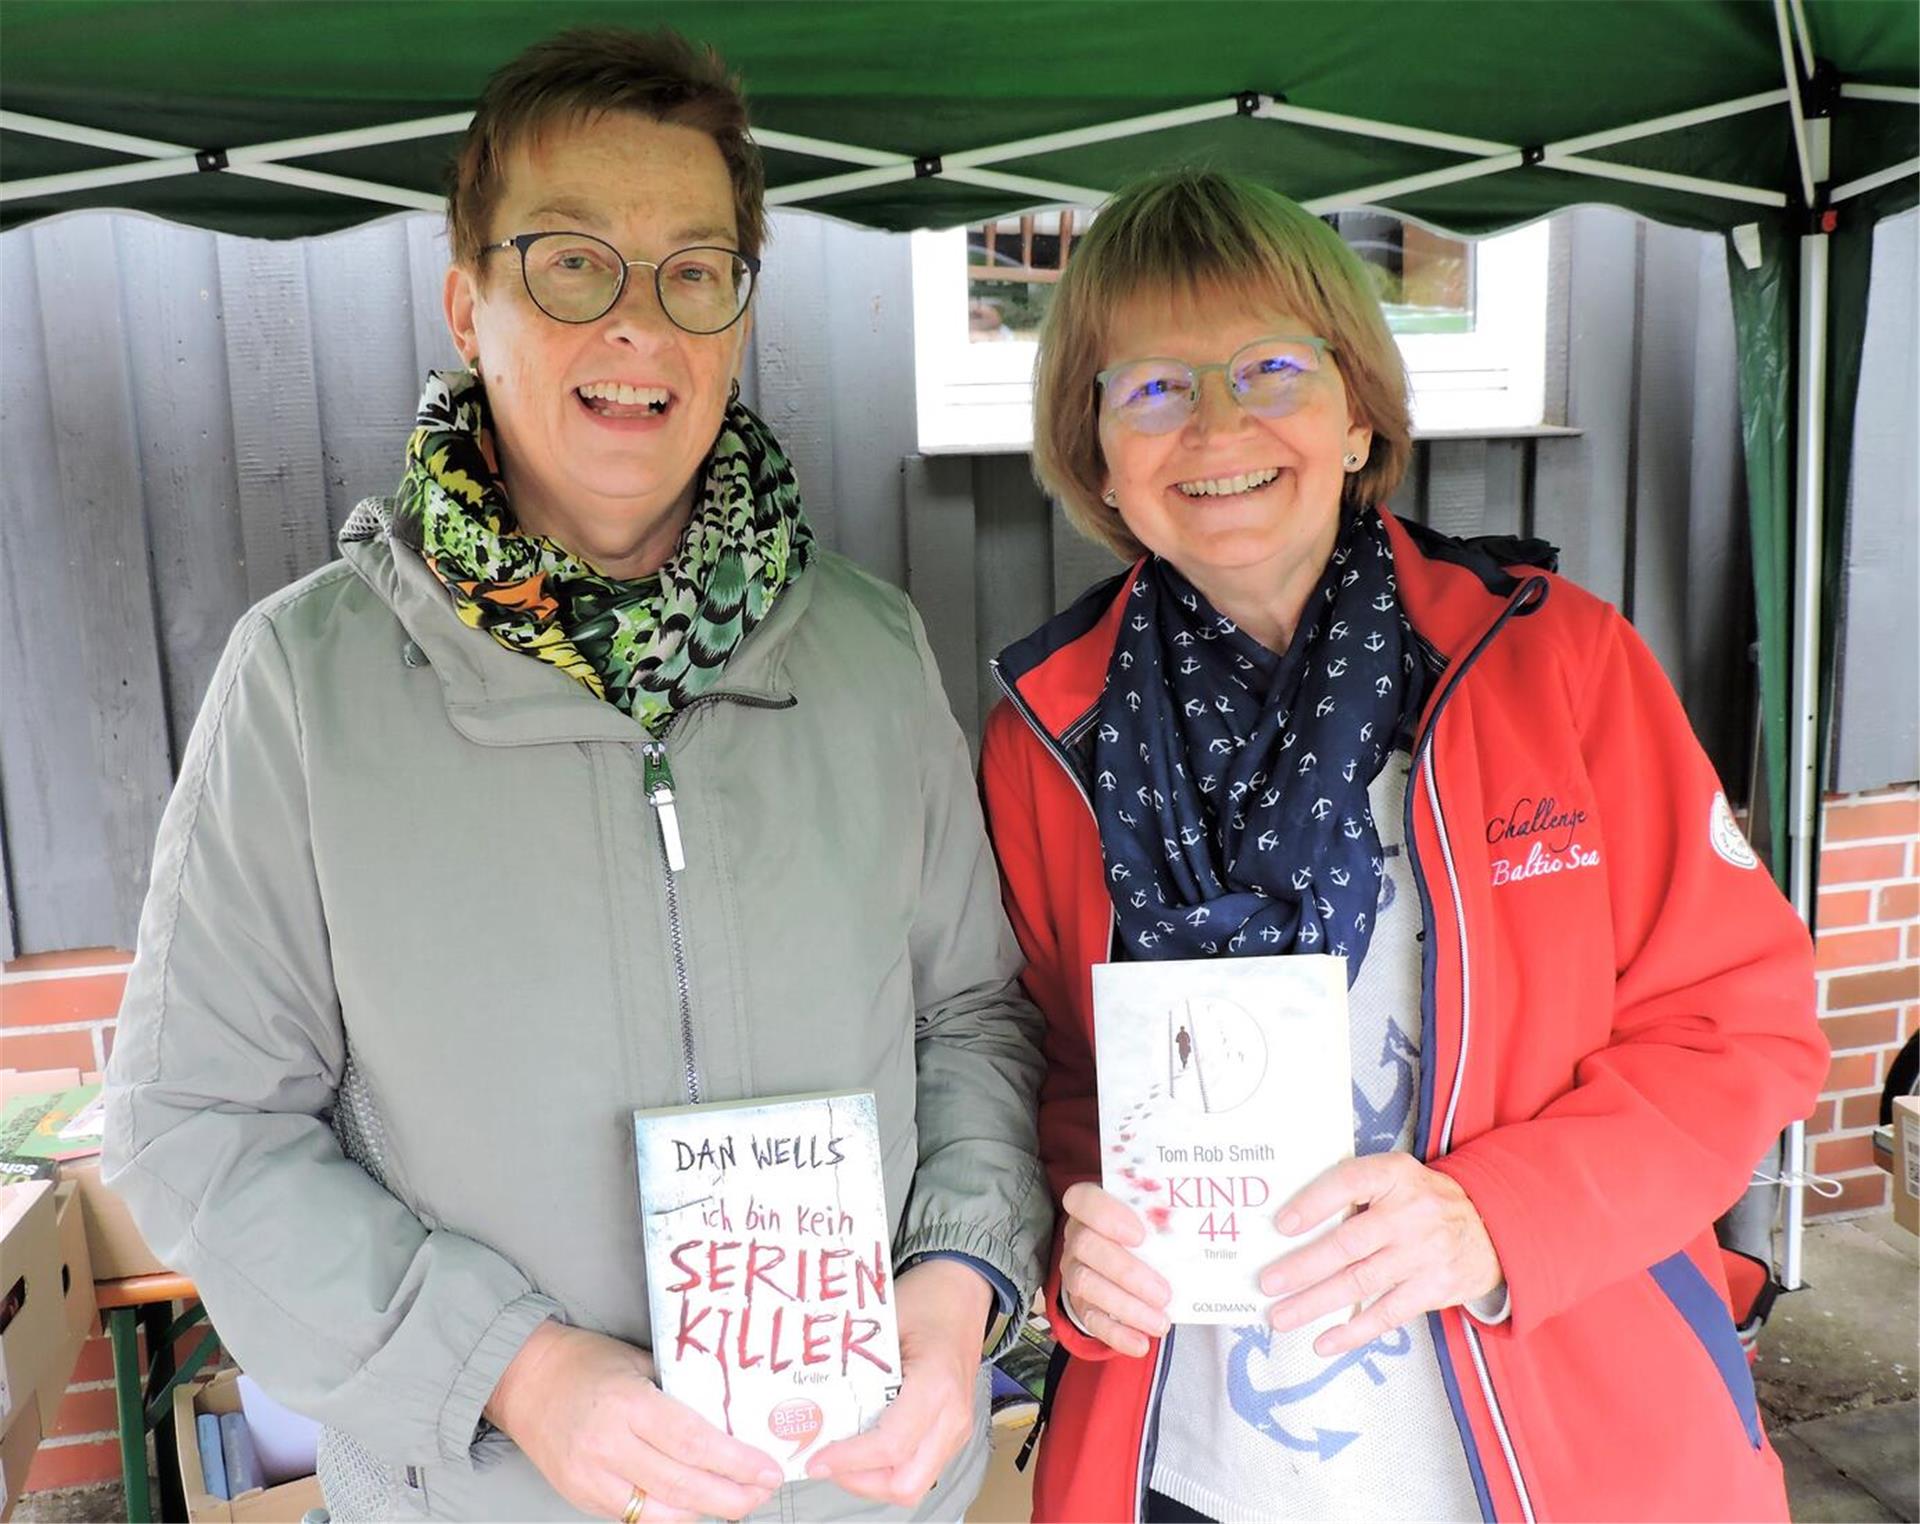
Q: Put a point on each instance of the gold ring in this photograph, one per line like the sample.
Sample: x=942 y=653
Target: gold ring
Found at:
x=636 y=1500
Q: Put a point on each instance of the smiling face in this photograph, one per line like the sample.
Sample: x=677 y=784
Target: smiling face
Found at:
x=602 y=427
x=1246 y=508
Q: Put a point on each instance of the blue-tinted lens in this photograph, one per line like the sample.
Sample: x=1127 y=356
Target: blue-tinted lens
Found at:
x=1270 y=377
x=1151 y=396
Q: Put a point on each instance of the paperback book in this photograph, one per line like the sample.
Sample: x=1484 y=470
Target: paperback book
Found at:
x=1225 y=1085
x=39 y=1132
x=769 y=1267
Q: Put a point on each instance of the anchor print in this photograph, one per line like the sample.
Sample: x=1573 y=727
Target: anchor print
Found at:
x=1260 y=1406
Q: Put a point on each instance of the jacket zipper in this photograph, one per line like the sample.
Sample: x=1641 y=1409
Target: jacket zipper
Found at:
x=1163 y=1356
x=659 y=787
x=1516 y=604
x=657 y=780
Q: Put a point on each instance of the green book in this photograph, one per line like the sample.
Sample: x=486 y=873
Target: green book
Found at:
x=60 y=1125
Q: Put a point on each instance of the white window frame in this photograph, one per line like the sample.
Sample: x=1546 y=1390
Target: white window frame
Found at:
x=978 y=398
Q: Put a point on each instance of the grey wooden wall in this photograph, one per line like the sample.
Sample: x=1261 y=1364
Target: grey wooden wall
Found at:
x=186 y=419
x=1877 y=737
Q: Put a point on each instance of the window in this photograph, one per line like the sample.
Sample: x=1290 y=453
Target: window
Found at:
x=1470 y=318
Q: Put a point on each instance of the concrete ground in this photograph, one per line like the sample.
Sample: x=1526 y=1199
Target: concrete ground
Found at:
x=1835 y=1377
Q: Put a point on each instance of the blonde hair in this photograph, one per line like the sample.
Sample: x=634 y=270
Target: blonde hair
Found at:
x=1194 y=231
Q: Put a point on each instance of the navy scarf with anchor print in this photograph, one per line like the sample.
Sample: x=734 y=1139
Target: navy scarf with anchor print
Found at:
x=1230 y=783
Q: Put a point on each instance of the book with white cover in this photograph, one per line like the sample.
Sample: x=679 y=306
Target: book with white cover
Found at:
x=769 y=1267
x=1225 y=1084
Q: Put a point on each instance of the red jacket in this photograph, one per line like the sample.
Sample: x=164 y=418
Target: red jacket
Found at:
x=1618 y=1017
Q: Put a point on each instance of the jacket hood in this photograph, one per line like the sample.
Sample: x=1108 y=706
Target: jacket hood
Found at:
x=498 y=697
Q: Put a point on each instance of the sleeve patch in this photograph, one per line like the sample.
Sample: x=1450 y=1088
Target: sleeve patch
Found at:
x=1726 y=835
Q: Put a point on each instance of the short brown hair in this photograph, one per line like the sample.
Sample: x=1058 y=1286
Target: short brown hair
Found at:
x=583 y=73
x=1195 y=230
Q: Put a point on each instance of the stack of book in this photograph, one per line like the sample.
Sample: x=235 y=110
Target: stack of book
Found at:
x=39 y=1133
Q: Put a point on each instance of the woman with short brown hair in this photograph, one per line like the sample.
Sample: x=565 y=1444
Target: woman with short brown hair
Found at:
x=586 y=782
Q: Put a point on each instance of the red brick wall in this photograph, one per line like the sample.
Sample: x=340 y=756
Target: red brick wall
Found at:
x=57 y=1011
x=1869 y=969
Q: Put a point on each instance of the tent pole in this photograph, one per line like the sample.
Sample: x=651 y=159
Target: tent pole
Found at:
x=1895 y=95
x=1049 y=192
x=1454 y=173
x=833 y=185
x=1803 y=768
x=1104 y=132
x=89 y=137
x=97 y=179
x=1391 y=132
x=1875 y=180
x=1807 y=61
x=1801 y=150
x=1765 y=100
x=1633 y=174
x=341 y=185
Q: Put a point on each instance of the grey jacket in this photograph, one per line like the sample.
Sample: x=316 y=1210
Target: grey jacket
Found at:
x=413 y=953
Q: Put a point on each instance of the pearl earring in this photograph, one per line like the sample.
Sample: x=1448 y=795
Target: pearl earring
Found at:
x=1110 y=498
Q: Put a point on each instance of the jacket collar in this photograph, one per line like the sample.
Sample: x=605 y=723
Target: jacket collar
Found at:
x=497 y=697
x=1450 y=588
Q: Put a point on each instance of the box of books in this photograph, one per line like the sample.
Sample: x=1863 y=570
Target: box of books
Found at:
x=33 y=1309
x=220 y=1470
x=769 y=1267
x=1225 y=1084
x=31 y=1096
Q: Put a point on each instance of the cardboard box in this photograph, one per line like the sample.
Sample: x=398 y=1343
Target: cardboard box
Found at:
x=17 y=1444
x=1906 y=1162
x=114 y=1244
x=1006 y=1492
x=76 y=1280
x=285 y=1504
x=34 y=1302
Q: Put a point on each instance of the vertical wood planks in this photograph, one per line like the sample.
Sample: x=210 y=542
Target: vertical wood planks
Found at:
x=52 y=792
x=866 y=396
x=1658 y=573
x=795 y=359
x=1456 y=485
x=178 y=368
x=276 y=411
x=1581 y=489
x=1078 y=562
x=1013 y=564
x=938 y=492
x=427 y=260
x=358 y=281
x=1713 y=670
x=1878 y=725
x=103 y=531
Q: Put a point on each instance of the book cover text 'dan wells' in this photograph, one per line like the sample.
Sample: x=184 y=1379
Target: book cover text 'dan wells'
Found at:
x=1225 y=1086
x=769 y=1267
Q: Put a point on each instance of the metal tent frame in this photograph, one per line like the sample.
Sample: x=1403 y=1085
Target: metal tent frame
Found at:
x=154 y=160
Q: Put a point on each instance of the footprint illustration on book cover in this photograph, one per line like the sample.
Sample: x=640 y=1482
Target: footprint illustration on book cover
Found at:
x=1224 y=1085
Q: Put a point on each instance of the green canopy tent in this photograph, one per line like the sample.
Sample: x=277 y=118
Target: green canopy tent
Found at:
x=1788 y=125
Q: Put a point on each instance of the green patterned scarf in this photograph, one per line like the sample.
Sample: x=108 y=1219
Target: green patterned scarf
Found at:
x=648 y=646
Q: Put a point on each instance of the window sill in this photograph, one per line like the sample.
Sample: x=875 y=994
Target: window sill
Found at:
x=1504 y=431
x=1420 y=436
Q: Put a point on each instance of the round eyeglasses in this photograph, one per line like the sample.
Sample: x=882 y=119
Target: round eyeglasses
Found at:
x=1270 y=378
x=577 y=278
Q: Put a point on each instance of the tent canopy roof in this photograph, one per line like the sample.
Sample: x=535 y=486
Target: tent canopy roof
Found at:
x=893 y=81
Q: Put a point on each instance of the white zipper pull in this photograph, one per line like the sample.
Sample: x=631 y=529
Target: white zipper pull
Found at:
x=659 y=785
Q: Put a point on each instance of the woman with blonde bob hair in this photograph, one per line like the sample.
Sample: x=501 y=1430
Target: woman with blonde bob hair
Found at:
x=1577 y=1010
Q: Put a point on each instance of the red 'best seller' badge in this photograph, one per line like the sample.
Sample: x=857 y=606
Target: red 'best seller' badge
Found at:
x=797 y=1419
